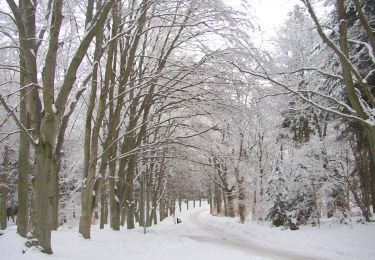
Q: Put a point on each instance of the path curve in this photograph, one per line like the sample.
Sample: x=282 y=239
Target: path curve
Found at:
x=203 y=232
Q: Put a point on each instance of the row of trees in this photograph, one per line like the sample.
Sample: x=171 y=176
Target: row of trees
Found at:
x=155 y=101
x=131 y=64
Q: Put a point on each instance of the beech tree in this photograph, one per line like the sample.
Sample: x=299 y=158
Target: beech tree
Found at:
x=47 y=111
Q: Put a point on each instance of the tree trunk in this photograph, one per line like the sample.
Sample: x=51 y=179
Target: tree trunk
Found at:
x=147 y=213
x=4 y=189
x=114 y=202
x=88 y=195
x=142 y=202
x=180 y=204
x=225 y=202
x=41 y=226
x=241 y=201
x=230 y=201
x=172 y=208
x=372 y=177
x=161 y=211
x=365 y=188
x=218 y=200
x=129 y=193
x=23 y=161
x=103 y=204
x=371 y=140
x=54 y=193
x=153 y=210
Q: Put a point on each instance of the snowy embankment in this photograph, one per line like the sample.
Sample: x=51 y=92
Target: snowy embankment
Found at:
x=205 y=237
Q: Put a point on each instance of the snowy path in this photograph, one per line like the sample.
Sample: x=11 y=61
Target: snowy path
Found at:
x=201 y=231
x=201 y=236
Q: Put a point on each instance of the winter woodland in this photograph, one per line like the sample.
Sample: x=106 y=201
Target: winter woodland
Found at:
x=119 y=113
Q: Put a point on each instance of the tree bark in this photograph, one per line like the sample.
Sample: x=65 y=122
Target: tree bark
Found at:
x=4 y=189
x=23 y=161
x=218 y=200
x=241 y=200
x=142 y=201
x=41 y=226
x=372 y=176
x=147 y=213
x=230 y=201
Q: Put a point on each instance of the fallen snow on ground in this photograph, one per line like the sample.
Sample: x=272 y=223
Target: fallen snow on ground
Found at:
x=330 y=241
x=201 y=236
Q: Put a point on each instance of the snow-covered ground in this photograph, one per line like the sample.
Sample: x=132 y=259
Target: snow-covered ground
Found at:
x=201 y=236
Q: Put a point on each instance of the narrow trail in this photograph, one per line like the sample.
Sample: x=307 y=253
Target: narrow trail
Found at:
x=201 y=231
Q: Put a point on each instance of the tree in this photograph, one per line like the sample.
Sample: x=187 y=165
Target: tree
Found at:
x=339 y=92
x=4 y=189
x=47 y=122
x=357 y=82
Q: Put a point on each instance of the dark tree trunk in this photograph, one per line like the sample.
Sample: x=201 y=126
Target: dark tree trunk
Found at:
x=230 y=201
x=218 y=200
x=372 y=175
x=4 y=189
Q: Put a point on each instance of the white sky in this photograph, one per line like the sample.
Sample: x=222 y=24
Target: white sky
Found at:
x=270 y=13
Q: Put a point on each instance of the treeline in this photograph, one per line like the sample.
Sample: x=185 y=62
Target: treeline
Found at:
x=130 y=63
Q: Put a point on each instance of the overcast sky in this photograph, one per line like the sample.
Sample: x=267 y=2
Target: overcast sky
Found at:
x=270 y=13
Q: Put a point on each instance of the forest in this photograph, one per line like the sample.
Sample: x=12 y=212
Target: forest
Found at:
x=117 y=113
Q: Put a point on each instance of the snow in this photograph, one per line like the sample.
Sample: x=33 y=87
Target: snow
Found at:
x=32 y=52
x=54 y=109
x=201 y=236
x=331 y=241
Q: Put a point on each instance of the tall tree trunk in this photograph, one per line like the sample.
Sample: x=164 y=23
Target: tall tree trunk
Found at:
x=153 y=210
x=4 y=189
x=29 y=102
x=142 y=201
x=109 y=80
x=210 y=200
x=161 y=211
x=371 y=140
x=218 y=200
x=103 y=204
x=147 y=213
x=41 y=226
x=23 y=161
x=129 y=193
x=241 y=200
x=225 y=202
x=54 y=192
x=90 y=191
x=114 y=201
x=230 y=201
x=372 y=177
